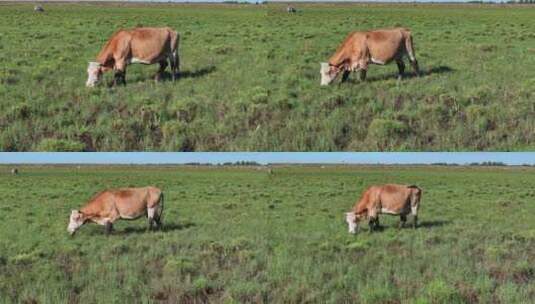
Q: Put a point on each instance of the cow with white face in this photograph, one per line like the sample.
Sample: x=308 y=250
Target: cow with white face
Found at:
x=360 y=49
x=94 y=74
x=386 y=199
x=144 y=45
x=328 y=73
x=126 y=203
x=351 y=219
x=76 y=220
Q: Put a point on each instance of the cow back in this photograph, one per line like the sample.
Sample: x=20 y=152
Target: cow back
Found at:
x=151 y=44
x=385 y=45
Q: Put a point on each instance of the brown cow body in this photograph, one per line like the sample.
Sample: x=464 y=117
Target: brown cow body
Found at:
x=386 y=199
x=126 y=203
x=360 y=49
x=140 y=45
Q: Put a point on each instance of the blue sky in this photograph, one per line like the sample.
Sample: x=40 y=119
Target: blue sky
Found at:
x=510 y=158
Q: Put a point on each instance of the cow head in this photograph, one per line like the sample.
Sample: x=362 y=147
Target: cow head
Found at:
x=328 y=73
x=76 y=220
x=352 y=222
x=94 y=74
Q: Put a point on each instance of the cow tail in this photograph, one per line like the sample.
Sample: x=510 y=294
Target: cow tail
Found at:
x=416 y=196
x=161 y=206
x=409 y=46
x=175 y=43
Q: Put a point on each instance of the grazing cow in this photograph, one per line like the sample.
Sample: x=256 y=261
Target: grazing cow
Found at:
x=140 y=45
x=291 y=9
x=14 y=171
x=127 y=203
x=388 y=199
x=38 y=9
x=374 y=47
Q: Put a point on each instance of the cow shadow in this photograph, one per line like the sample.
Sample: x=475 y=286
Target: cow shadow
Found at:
x=432 y=224
x=408 y=225
x=407 y=75
x=167 y=76
x=167 y=227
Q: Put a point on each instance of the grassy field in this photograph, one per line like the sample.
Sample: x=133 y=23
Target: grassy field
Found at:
x=241 y=235
x=251 y=80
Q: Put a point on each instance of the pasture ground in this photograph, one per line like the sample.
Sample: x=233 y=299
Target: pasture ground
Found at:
x=251 y=80
x=242 y=235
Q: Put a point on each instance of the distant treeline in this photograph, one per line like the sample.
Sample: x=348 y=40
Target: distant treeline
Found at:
x=238 y=163
x=486 y=163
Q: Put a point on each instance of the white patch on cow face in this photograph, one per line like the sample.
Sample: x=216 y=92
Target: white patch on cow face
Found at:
x=351 y=220
x=94 y=74
x=327 y=74
x=75 y=221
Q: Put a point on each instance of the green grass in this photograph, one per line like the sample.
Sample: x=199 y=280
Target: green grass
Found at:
x=241 y=235
x=251 y=80
x=476 y=92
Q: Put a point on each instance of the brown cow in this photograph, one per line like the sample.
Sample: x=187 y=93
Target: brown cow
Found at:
x=373 y=47
x=140 y=45
x=127 y=203
x=389 y=199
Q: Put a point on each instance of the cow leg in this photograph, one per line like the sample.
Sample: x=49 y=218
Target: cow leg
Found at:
x=372 y=223
x=401 y=68
x=161 y=70
x=377 y=224
x=402 y=220
x=177 y=63
x=415 y=67
x=345 y=75
x=363 y=75
x=174 y=59
x=173 y=71
x=157 y=223
x=151 y=215
x=414 y=211
x=119 y=78
x=109 y=228
x=157 y=218
x=120 y=72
